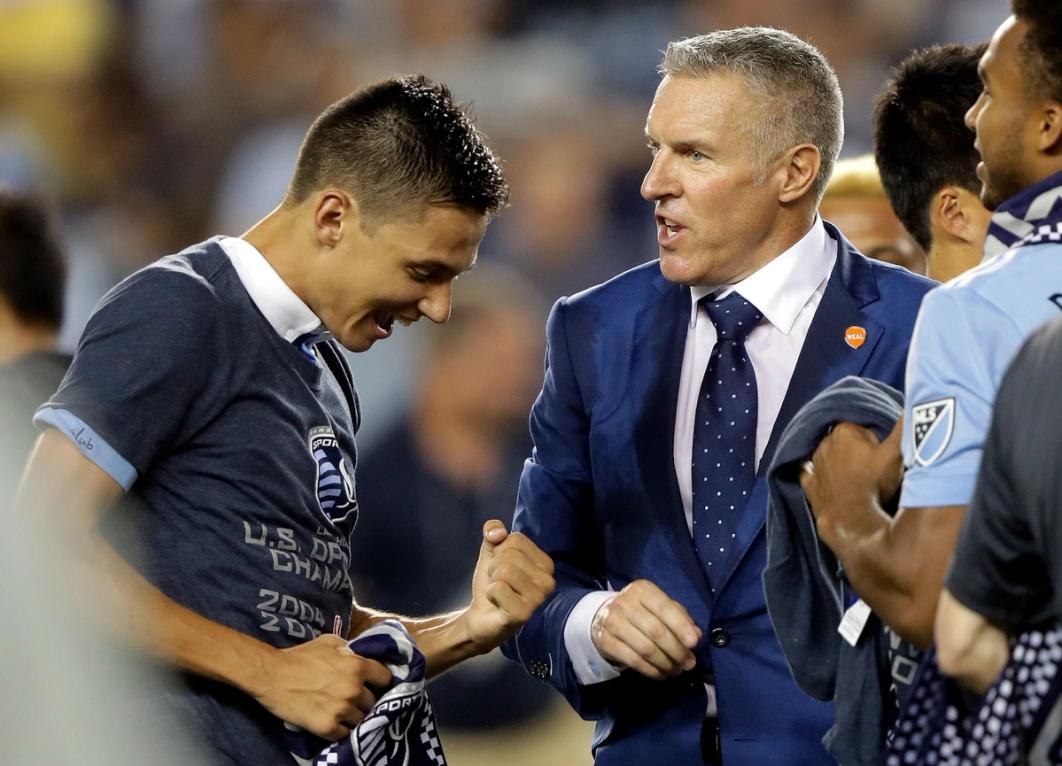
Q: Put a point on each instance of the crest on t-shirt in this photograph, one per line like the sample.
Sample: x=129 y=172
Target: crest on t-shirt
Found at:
x=384 y=736
x=335 y=482
x=932 y=427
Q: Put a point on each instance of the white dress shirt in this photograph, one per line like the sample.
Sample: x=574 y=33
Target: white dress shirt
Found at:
x=787 y=291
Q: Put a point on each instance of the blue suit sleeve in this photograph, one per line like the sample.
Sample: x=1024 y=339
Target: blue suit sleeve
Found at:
x=555 y=509
x=952 y=377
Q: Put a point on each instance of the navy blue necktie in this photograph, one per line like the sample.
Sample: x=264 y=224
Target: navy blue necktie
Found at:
x=724 y=434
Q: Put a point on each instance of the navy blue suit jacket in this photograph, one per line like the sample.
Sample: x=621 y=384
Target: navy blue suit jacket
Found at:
x=600 y=496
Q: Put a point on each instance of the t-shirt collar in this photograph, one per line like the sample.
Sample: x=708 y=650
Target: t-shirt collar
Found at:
x=782 y=287
x=292 y=319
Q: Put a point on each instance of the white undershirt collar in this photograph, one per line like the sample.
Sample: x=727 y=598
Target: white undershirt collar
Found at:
x=283 y=309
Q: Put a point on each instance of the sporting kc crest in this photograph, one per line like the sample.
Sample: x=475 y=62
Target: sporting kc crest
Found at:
x=335 y=483
x=932 y=428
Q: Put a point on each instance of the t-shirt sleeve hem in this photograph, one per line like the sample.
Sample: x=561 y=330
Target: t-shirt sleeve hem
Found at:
x=89 y=443
x=922 y=490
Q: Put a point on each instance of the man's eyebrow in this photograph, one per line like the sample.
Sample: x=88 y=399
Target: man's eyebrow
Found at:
x=982 y=73
x=443 y=268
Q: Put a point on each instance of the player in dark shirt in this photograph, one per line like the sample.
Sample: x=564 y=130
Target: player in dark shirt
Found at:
x=32 y=277
x=209 y=388
x=1007 y=570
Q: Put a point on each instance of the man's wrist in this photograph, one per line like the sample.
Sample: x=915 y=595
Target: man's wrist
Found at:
x=247 y=664
x=589 y=665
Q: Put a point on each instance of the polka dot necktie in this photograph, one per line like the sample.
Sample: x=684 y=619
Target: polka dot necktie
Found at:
x=724 y=434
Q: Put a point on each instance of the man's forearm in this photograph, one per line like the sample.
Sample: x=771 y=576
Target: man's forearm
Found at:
x=105 y=590
x=160 y=627
x=969 y=647
x=889 y=572
x=444 y=639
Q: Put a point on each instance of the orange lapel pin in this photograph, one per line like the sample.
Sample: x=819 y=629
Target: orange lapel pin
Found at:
x=855 y=336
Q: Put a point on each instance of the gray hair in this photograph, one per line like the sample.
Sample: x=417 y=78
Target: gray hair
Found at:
x=799 y=98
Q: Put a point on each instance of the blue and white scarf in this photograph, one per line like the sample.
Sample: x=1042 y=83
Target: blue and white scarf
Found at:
x=400 y=729
x=1033 y=216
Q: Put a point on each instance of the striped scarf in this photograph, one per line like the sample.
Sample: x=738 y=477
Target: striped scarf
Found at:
x=400 y=729
x=1031 y=217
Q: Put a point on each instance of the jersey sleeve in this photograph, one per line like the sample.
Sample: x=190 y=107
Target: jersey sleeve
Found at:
x=950 y=390
x=146 y=367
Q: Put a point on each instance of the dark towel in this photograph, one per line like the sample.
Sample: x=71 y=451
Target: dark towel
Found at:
x=400 y=729
x=807 y=593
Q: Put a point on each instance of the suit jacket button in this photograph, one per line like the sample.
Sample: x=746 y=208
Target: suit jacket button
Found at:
x=719 y=637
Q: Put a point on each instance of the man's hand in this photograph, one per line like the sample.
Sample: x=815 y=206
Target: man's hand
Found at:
x=321 y=686
x=646 y=630
x=512 y=578
x=851 y=468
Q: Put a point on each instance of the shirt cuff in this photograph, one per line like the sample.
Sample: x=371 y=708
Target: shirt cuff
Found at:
x=587 y=663
x=936 y=489
x=89 y=443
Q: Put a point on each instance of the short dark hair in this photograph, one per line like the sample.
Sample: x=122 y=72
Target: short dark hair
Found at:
x=1042 y=46
x=921 y=142
x=403 y=140
x=32 y=263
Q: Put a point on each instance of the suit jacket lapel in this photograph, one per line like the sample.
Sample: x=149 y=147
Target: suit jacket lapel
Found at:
x=656 y=365
x=825 y=358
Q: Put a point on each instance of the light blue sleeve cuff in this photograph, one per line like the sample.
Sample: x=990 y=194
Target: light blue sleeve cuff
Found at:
x=929 y=488
x=589 y=666
x=89 y=443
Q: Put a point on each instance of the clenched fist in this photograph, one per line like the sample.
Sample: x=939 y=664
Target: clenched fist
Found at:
x=321 y=686
x=512 y=579
x=646 y=630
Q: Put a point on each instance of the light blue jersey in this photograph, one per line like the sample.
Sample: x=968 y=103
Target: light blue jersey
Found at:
x=967 y=333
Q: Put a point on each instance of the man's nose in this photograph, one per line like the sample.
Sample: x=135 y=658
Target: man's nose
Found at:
x=659 y=181
x=436 y=304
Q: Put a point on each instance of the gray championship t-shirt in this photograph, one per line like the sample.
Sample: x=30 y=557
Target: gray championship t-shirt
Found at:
x=237 y=451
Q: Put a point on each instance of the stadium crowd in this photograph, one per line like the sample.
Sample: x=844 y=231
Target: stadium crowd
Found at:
x=886 y=584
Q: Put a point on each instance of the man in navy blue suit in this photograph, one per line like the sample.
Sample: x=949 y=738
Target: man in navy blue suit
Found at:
x=665 y=392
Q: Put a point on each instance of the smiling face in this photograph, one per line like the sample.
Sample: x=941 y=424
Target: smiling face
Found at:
x=403 y=270
x=717 y=206
x=1004 y=118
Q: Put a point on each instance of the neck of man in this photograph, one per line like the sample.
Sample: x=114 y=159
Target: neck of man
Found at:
x=792 y=225
x=950 y=256
x=276 y=238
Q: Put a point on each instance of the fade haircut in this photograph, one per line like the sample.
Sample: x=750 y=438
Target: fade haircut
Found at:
x=795 y=94
x=401 y=143
x=921 y=142
x=32 y=264
x=1042 y=47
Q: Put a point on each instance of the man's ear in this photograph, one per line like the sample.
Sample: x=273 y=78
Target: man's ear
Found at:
x=958 y=212
x=333 y=214
x=800 y=167
x=1049 y=131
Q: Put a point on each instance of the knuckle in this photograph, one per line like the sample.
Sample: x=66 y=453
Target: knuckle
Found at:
x=657 y=632
x=549 y=584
